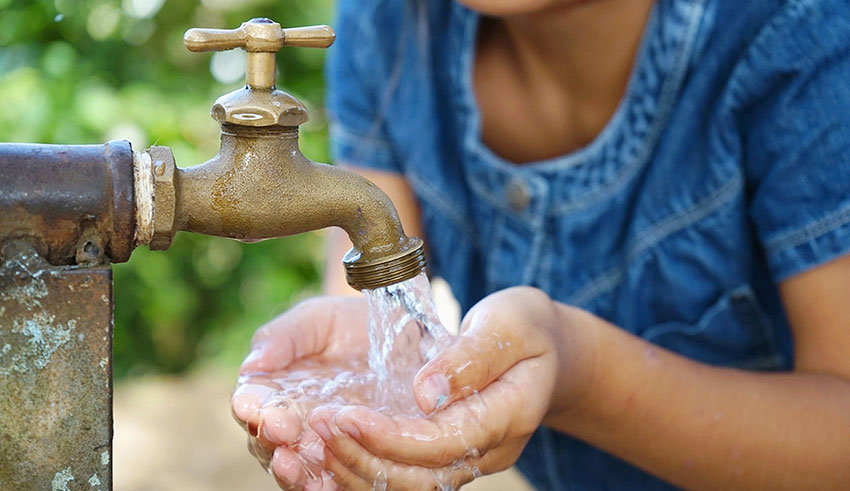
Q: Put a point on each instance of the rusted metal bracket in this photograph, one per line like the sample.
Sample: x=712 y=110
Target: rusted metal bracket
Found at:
x=55 y=374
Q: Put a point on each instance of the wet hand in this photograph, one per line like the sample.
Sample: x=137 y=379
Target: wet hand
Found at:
x=485 y=396
x=309 y=345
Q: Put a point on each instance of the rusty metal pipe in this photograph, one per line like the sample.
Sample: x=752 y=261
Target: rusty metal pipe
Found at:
x=261 y=186
x=73 y=203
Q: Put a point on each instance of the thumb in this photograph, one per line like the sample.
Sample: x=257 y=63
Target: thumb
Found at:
x=486 y=350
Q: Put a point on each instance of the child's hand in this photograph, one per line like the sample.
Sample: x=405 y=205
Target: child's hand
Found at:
x=312 y=342
x=488 y=393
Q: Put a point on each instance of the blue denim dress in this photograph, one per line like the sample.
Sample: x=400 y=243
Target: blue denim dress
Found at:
x=725 y=170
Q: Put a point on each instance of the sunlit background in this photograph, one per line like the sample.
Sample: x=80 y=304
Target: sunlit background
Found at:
x=89 y=71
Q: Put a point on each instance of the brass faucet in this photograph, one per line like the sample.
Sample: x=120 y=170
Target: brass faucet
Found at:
x=259 y=185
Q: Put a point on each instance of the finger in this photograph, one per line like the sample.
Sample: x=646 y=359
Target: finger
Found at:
x=287 y=467
x=245 y=403
x=411 y=441
x=492 y=342
x=325 y=483
x=311 y=449
x=352 y=456
x=460 y=473
x=465 y=429
x=373 y=472
x=345 y=457
x=343 y=476
x=349 y=453
x=279 y=424
x=303 y=330
x=497 y=459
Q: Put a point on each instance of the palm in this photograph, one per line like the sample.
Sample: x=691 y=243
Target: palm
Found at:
x=315 y=354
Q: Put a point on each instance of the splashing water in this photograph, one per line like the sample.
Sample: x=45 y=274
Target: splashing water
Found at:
x=404 y=333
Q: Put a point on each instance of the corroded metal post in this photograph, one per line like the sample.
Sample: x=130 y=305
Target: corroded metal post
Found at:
x=65 y=212
x=55 y=374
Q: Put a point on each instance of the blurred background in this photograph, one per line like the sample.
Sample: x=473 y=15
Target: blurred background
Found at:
x=89 y=71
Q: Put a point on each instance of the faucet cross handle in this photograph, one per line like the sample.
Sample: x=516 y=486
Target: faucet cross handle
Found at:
x=261 y=38
x=258 y=103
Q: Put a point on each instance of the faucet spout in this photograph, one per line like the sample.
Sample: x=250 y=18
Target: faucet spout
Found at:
x=261 y=186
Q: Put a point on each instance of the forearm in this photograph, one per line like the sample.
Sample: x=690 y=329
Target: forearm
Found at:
x=705 y=427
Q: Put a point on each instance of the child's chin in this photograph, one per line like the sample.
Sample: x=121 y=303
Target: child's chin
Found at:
x=505 y=8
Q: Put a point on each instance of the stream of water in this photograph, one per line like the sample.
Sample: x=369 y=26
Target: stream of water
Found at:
x=404 y=333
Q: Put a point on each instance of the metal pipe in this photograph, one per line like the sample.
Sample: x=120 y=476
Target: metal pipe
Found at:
x=74 y=203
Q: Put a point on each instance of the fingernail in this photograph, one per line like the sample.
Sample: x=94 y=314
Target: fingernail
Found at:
x=440 y=401
x=350 y=428
x=322 y=429
x=435 y=390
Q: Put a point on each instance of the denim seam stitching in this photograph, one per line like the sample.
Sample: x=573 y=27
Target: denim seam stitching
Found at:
x=533 y=261
x=665 y=106
x=675 y=221
x=498 y=224
x=761 y=44
x=341 y=131
x=812 y=230
x=654 y=234
x=486 y=195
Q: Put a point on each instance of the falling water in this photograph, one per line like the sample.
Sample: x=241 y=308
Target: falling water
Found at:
x=404 y=333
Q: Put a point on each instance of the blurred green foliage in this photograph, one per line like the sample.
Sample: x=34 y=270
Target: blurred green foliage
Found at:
x=88 y=71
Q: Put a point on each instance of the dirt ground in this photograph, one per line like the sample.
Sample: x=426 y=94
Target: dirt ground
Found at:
x=177 y=434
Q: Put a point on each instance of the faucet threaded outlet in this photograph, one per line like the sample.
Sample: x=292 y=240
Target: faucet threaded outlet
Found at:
x=388 y=270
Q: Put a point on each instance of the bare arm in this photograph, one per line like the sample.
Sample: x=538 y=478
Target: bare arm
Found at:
x=397 y=188
x=706 y=427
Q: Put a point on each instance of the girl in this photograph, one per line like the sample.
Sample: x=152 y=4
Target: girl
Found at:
x=670 y=179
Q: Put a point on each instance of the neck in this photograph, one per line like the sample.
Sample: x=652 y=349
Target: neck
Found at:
x=584 y=47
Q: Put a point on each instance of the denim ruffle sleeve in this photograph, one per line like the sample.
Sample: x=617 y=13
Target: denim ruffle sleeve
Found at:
x=354 y=94
x=796 y=126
